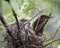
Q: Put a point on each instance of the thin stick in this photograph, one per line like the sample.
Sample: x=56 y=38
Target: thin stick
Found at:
x=35 y=16
x=55 y=33
x=5 y=24
x=15 y=15
x=51 y=42
x=17 y=22
x=3 y=21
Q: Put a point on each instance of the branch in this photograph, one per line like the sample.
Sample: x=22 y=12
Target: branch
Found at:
x=3 y=21
x=5 y=24
x=35 y=16
x=17 y=22
x=15 y=15
x=1 y=17
x=55 y=32
x=51 y=42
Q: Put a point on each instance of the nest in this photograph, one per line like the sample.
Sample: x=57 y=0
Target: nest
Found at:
x=26 y=38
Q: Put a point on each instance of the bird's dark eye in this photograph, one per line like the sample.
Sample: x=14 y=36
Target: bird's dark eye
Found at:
x=24 y=20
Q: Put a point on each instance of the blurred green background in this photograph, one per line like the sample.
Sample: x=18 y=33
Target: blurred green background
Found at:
x=29 y=8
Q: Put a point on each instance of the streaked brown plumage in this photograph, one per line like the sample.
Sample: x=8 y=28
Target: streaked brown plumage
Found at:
x=39 y=24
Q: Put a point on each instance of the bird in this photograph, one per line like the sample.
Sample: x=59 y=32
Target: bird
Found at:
x=40 y=23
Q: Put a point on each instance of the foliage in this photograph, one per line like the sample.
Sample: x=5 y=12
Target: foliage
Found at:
x=23 y=8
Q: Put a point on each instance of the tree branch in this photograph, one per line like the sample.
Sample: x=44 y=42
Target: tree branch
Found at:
x=5 y=24
x=35 y=16
x=55 y=33
x=51 y=42
x=15 y=15
x=3 y=21
x=17 y=22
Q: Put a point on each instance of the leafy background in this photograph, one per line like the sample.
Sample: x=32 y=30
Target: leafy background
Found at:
x=29 y=8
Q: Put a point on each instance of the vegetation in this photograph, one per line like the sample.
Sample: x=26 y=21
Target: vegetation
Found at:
x=32 y=32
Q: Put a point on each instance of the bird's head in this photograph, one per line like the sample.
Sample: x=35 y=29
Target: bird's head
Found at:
x=23 y=20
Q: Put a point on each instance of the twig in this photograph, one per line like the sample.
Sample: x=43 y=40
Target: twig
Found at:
x=34 y=16
x=51 y=42
x=17 y=22
x=14 y=14
x=55 y=33
x=3 y=21
x=5 y=24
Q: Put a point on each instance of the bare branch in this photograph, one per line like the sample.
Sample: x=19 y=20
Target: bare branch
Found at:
x=17 y=22
x=3 y=21
x=51 y=42
x=35 y=16
x=55 y=33
x=5 y=24
x=15 y=15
